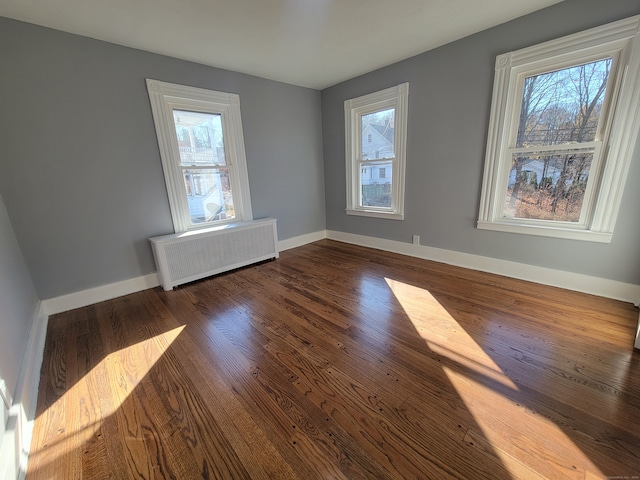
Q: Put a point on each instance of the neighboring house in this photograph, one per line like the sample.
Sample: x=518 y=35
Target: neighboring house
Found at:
x=203 y=186
x=376 y=175
x=533 y=171
x=377 y=143
x=204 y=196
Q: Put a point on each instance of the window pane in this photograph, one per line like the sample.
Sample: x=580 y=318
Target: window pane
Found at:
x=375 y=185
x=209 y=195
x=548 y=186
x=200 y=139
x=377 y=135
x=563 y=106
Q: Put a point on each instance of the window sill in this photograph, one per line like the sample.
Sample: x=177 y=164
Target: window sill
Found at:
x=547 y=231
x=376 y=214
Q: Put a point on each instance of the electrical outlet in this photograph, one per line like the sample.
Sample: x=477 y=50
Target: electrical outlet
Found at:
x=416 y=239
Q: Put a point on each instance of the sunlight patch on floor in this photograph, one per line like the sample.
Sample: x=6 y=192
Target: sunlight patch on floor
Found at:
x=517 y=434
x=101 y=392
x=514 y=432
x=443 y=334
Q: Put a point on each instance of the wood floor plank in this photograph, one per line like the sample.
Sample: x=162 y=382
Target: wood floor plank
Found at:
x=285 y=420
x=340 y=361
x=235 y=421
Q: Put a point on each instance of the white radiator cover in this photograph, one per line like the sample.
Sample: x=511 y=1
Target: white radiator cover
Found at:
x=188 y=256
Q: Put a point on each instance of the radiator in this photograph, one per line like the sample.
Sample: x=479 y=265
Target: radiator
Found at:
x=185 y=257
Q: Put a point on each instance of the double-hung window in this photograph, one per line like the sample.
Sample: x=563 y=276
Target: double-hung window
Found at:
x=564 y=121
x=202 y=149
x=376 y=135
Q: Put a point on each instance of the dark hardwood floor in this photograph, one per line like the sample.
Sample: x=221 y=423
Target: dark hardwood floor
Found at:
x=338 y=361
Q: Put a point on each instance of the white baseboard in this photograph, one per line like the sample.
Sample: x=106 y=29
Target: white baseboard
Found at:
x=547 y=276
x=16 y=441
x=90 y=296
x=603 y=287
x=301 y=240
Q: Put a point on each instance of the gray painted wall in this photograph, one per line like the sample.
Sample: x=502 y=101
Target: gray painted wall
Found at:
x=80 y=170
x=449 y=102
x=18 y=303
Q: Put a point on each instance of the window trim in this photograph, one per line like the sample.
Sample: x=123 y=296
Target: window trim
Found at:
x=164 y=98
x=393 y=97
x=619 y=40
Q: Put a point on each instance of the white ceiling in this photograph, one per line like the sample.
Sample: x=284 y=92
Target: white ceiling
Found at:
x=312 y=43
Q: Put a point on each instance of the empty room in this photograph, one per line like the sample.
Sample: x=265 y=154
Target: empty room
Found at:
x=314 y=239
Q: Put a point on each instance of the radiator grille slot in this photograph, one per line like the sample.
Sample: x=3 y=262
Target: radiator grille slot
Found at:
x=182 y=258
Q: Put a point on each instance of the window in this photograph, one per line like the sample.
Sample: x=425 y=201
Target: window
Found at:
x=564 y=122
x=202 y=149
x=381 y=119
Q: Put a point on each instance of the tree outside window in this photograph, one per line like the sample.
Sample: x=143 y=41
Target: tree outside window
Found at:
x=565 y=117
x=560 y=108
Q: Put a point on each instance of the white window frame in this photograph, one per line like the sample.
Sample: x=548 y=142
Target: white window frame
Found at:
x=615 y=141
x=394 y=97
x=167 y=97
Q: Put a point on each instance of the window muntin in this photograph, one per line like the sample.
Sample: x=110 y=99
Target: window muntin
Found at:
x=202 y=150
x=379 y=155
x=535 y=190
x=375 y=153
x=209 y=195
x=557 y=143
x=563 y=106
x=200 y=140
x=379 y=128
x=565 y=112
x=376 y=186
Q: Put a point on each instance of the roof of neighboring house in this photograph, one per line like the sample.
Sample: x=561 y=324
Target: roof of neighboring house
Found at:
x=385 y=131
